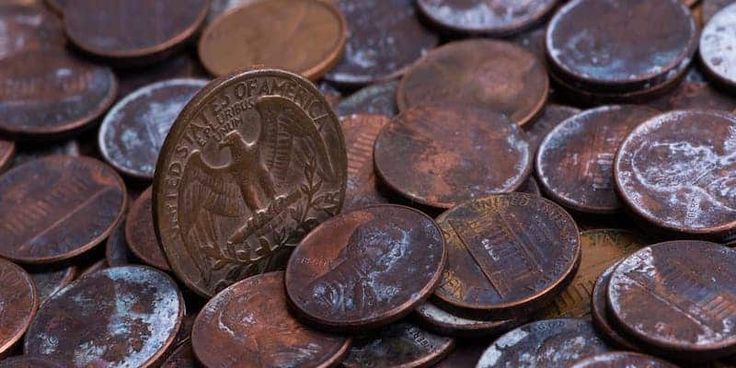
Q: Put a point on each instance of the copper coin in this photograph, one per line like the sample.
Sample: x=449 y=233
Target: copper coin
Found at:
x=25 y=28
x=132 y=31
x=400 y=345
x=117 y=252
x=253 y=163
x=366 y=268
x=249 y=325
x=25 y=361
x=711 y=7
x=465 y=355
x=385 y=38
x=121 y=317
x=548 y=343
x=25 y=153
x=49 y=92
x=574 y=162
x=601 y=316
x=303 y=36
x=183 y=65
x=140 y=234
x=58 y=207
x=489 y=17
x=533 y=41
x=551 y=116
x=678 y=172
x=445 y=323
x=360 y=136
x=19 y=300
x=220 y=7
x=375 y=99
x=494 y=75
x=588 y=46
x=132 y=133
x=508 y=255
x=439 y=156
x=717 y=46
x=182 y=357
x=690 y=285
x=7 y=152
x=49 y=281
x=600 y=249
x=622 y=360
x=695 y=95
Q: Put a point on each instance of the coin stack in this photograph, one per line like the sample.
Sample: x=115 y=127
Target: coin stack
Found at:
x=368 y=183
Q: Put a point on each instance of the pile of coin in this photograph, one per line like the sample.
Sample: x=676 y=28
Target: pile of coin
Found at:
x=368 y=183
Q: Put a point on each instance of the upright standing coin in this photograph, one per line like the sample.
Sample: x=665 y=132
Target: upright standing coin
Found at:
x=182 y=357
x=385 y=38
x=622 y=360
x=574 y=162
x=360 y=136
x=132 y=31
x=140 y=234
x=374 y=99
x=253 y=163
x=551 y=116
x=49 y=92
x=25 y=28
x=118 y=317
x=366 y=268
x=717 y=46
x=692 y=287
x=508 y=255
x=494 y=75
x=19 y=301
x=7 y=152
x=132 y=133
x=601 y=314
x=249 y=325
x=310 y=38
x=678 y=172
x=489 y=17
x=25 y=361
x=58 y=207
x=49 y=281
x=439 y=156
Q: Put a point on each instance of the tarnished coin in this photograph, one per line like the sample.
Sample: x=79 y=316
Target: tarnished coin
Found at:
x=360 y=136
x=253 y=163
x=717 y=46
x=25 y=28
x=508 y=255
x=140 y=234
x=118 y=317
x=58 y=207
x=551 y=116
x=249 y=325
x=310 y=38
x=711 y=7
x=693 y=289
x=489 y=17
x=93 y=266
x=601 y=315
x=465 y=355
x=600 y=249
x=19 y=301
x=7 y=152
x=548 y=343
x=397 y=346
x=695 y=94
x=49 y=92
x=132 y=31
x=182 y=357
x=622 y=360
x=574 y=162
x=49 y=281
x=533 y=41
x=439 y=156
x=366 y=268
x=183 y=65
x=445 y=323
x=117 y=252
x=375 y=99
x=132 y=133
x=25 y=361
x=497 y=76
x=678 y=172
x=385 y=38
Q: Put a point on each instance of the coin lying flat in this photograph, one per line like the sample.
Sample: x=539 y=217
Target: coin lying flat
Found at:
x=252 y=164
x=19 y=300
x=602 y=319
x=717 y=46
x=24 y=28
x=375 y=99
x=445 y=323
x=29 y=362
x=360 y=136
x=7 y=152
x=249 y=325
x=551 y=116
x=695 y=94
x=122 y=317
x=140 y=235
x=622 y=360
x=365 y=268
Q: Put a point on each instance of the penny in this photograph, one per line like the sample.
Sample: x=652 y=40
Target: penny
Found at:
x=366 y=268
x=439 y=156
x=677 y=172
x=24 y=361
x=622 y=360
x=385 y=38
x=494 y=75
x=508 y=255
x=219 y=7
x=49 y=92
x=252 y=164
x=132 y=133
x=49 y=281
x=717 y=46
x=311 y=40
x=140 y=234
x=249 y=325
x=29 y=153
x=132 y=31
x=398 y=345
x=574 y=162
x=19 y=300
x=123 y=317
x=466 y=354
x=374 y=99
x=183 y=65
x=58 y=207
x=493 y=18
x=182 y=357
x=697 y=95
x=533 y=41
x=117 y=252
x=551 y=116
x=601 y=315
x=445 y=323
x=24 y=28
x=7 y=152
x=530 y=186
x=588 y=48
x=711 y=7
x=690 y=286
x=548 y=343
x=360 y=136
x=600 y=249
